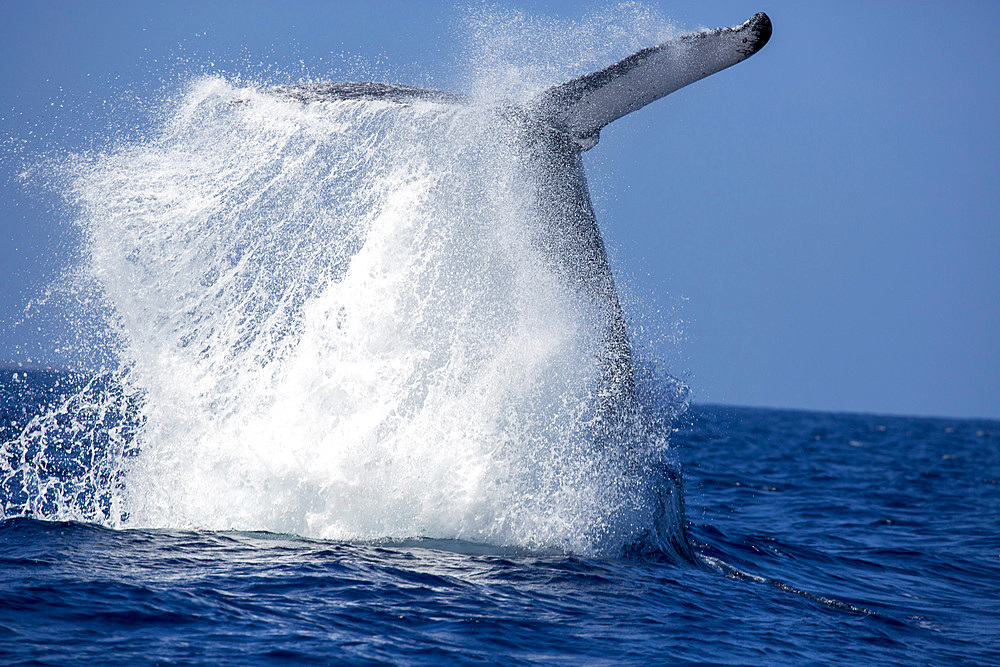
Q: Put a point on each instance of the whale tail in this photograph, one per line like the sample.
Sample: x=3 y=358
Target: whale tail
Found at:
x=577 y=111
x=583 y=106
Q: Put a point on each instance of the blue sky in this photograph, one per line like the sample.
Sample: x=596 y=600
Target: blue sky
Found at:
x=821 y=224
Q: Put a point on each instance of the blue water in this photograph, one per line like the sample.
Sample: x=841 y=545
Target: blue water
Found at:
x=816 y=539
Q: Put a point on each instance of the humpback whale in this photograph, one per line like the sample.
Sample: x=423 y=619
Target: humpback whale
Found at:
x=553 y=129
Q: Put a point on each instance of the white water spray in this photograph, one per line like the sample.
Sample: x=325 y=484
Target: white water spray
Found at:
x=335 y=321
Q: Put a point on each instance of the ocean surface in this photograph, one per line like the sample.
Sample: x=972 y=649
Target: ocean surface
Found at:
x=815 y=539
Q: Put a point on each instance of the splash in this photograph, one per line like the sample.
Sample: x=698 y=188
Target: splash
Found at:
x=513 y=55
x=334 y=320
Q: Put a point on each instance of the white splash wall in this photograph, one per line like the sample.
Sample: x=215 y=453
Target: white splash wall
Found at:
x=342 y=328
x=335 y=323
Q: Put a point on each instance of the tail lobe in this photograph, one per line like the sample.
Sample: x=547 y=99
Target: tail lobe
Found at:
x=583 y=106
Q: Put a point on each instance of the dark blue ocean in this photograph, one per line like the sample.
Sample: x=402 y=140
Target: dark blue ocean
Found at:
x=814 y=538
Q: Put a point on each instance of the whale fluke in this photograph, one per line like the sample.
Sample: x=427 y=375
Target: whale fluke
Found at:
x=552 y=129
x=583 y=106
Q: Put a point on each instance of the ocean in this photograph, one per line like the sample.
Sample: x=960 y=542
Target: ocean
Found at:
x=815 y=538
x=346 y=404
